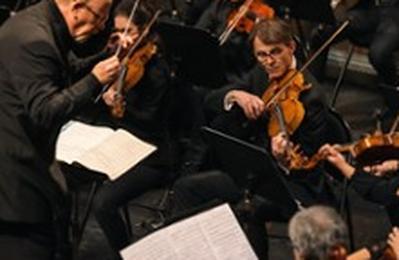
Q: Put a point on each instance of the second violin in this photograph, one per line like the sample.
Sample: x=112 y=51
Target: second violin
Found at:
x=133 y=67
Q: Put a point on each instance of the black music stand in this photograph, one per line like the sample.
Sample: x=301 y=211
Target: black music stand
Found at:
x=195 y=52
x=247 y=164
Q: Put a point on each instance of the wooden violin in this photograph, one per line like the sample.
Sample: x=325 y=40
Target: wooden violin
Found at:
x=292 y=109
x=133 y=68
x=245 y=17
x=256 y=10
x=134 y=73
x=370 y=150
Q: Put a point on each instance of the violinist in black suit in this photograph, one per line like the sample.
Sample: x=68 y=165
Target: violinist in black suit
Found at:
x=36 y=98
x=244 y=115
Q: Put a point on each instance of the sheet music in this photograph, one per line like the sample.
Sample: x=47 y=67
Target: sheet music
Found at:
x=76 y=138
x=213 y=234
x=101 y=148
x=117 y=154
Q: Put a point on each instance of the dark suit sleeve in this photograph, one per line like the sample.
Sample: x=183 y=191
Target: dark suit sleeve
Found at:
x=39 y=77
x=80 y=67
x=376 y=189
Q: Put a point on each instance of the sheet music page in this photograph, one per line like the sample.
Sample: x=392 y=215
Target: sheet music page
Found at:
x=213 y=234
x=76 y=138
x=116 y=154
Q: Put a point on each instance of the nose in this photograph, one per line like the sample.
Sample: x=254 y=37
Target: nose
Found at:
x=268 y=60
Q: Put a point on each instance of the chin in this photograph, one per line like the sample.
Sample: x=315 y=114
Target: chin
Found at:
x=276 y=74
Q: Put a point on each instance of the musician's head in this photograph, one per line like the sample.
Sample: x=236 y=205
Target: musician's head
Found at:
x=84 y=18
x=317 y=233
x=273 y=46
x=122 y=12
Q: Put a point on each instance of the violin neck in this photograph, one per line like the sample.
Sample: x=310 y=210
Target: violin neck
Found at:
x=280 y=118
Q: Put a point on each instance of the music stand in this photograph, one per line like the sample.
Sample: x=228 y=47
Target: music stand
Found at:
x=195 y=52
x=243 y=161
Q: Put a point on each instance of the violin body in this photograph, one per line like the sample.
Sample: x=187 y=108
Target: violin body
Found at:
x=376 y=148
x=370 y=150
x=257 y=10
x=292 y=109
x=135 y=69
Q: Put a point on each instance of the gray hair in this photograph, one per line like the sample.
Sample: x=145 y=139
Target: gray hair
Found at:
x=316 y=231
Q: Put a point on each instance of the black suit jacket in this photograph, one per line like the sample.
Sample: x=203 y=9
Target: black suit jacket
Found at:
x=36 y=99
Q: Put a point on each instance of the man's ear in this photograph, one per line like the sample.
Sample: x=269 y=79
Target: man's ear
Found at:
x=292 y=45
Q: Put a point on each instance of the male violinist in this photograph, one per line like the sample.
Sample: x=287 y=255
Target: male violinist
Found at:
x=37 y=98
x=146 y=115
x=244 y=116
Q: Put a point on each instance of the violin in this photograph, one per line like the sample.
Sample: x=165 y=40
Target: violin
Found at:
x=292 y=109
x=256 y=10
x=134 y=72
x=133 y=68
x=244 y=18
x=370 y=150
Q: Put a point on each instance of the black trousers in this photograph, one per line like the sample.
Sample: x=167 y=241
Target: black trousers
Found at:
x=114 y=194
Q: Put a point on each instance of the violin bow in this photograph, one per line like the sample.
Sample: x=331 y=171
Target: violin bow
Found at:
x=229 y=29
x=308 y=62
x=119 y=49
x=130 y=19
x=394 y=125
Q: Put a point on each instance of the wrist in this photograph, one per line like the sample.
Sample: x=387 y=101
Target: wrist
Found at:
x=347 y=170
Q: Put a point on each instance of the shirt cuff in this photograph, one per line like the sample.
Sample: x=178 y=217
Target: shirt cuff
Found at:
x=228 y=101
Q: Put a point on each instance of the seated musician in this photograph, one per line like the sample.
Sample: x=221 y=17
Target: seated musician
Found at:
x=236 y=49
x=145 y=117
x=318 y=233
x=370 y=182
x=244 y=117
x=375 y=24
